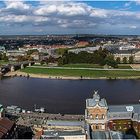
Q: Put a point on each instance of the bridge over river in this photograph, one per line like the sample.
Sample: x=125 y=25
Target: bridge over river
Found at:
x=13 y=67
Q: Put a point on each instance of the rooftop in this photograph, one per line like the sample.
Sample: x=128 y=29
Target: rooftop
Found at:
x=62 y=133
x=96 y=101
x=135 y=108
x=65 y=123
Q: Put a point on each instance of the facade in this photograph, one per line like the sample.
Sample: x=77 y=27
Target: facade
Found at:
x=13 y=109
x=61 y=129
x=15 y=53
x=111 y=120
x=1 y=111
x=127 y=53
x=96 y=113
x=66 y=135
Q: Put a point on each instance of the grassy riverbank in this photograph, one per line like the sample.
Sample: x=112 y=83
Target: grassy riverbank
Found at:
x=2 y=62
x=82 y=72
x=84 y=65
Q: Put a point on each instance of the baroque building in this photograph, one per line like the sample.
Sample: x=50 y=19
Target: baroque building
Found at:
x=96 y=113
x=111 y=121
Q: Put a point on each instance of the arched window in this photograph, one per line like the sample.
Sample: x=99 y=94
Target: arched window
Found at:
x=97 y=127
x=96 y=116
x=90 y=116
x=103 y=116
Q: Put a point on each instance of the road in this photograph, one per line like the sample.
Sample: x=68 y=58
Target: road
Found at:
x=67 y=68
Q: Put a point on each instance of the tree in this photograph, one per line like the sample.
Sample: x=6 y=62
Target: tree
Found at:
x=4 y=57
x=110 y=61
x=61 y=51
x=29 y=52
x=20 y=58
x=131 y=59
x=42 y=62
x=0 y=56
x=118 y=60
x=124 y=60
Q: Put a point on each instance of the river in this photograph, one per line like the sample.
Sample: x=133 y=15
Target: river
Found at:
x=65 y=96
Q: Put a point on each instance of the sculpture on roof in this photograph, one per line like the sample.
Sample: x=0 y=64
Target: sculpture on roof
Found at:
x=96 y=96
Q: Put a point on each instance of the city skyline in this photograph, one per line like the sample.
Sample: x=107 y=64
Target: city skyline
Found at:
x=69 y=17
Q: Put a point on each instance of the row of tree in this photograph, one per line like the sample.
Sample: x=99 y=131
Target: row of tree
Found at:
x=101 y=57
x=130 y=60
x=3 y=57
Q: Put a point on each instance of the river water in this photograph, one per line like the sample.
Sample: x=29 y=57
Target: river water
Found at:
x=65 y=96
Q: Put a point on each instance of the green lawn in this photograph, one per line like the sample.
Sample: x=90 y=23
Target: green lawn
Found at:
x=124 y=66
x=3 y=62
x=82 y=65
x=84 y=73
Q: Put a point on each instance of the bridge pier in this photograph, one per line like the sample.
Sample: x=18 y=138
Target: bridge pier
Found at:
x=12 y=68
x=22 y=66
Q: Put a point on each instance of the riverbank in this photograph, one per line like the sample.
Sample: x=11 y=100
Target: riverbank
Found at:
x=47 y=76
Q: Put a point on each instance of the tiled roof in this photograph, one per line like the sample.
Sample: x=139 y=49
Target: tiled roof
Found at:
x=5 y=126
x=3 y=130
x=1 y=134
x=6 y=123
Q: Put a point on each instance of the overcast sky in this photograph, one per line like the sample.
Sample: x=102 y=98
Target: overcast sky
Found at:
x=68 y=17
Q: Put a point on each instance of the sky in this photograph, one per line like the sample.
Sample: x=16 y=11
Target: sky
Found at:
x=23 y=17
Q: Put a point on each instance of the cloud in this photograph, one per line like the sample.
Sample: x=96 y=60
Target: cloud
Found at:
x=137 y=2
x=133 y=27
x=16 y=5
x=127 y=4
x=66 y=16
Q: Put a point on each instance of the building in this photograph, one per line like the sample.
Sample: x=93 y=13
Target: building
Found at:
x=61 y=129
x=127 y=47
x=7 y=129
x=13 y=109
x=82 y=44
x=15 y=53
x=85 y=49
x=35 y=56
x=2 y=49
x=127 y=53
x=96 y=113
x=111 y=121
x=66 y=135
x=1 y=111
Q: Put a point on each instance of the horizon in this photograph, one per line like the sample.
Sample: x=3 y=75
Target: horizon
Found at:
x=68 y=34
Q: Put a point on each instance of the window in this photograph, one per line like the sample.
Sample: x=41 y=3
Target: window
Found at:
x=103 y=116
x=96 y=116
x=97 y=127
x=103 y=126
x=90 y=116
